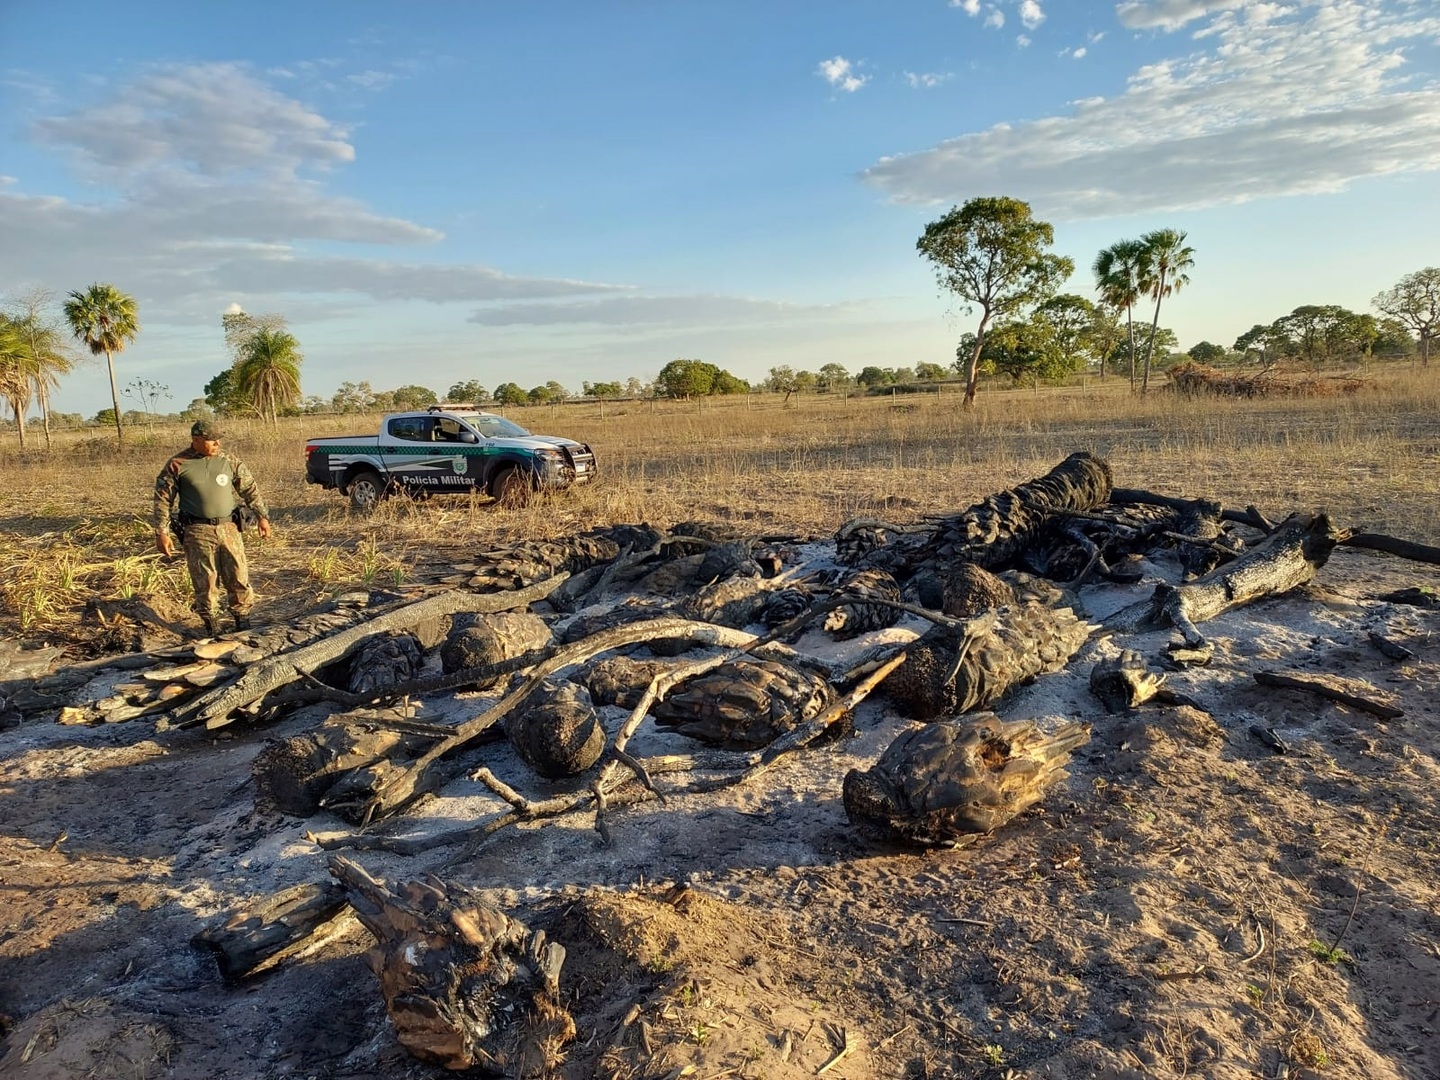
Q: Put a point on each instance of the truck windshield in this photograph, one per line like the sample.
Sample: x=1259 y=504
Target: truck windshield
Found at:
x=496 y=427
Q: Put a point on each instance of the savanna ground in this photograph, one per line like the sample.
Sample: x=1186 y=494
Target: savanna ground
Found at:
x=1188 y=903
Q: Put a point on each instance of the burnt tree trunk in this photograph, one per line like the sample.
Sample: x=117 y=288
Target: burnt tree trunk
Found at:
x=466 y=986
x=1285 y=560
x=991 y=533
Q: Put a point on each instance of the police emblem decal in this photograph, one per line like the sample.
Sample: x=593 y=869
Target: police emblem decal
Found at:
x=457 y=463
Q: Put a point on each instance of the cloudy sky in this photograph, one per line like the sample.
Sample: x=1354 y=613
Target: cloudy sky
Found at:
x=584 y=191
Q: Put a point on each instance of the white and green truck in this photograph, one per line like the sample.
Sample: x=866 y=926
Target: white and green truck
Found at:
x=445 y=450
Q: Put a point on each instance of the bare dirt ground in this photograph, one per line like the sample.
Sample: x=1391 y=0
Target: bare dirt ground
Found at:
x=1189 y=903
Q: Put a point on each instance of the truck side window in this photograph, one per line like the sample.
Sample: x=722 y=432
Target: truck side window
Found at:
x=410 y=428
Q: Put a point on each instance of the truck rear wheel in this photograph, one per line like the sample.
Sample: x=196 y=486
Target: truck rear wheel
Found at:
x=366 y=491
x=510 y=486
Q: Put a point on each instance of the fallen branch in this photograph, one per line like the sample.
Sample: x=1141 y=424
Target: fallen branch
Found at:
x=1322 y=689
x=215 y=709
x=1392 y=546
x=1285 y=560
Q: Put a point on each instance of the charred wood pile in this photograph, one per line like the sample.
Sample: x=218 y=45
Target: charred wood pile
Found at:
x=753 y=647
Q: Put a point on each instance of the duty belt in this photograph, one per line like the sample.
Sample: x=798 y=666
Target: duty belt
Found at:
x=191 y=519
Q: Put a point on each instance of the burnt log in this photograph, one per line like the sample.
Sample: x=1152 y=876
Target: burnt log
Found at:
x=1285 y=560
x=528 y=562
x=944 y=783
x=944 y=675
x=619 y=680
x=295 y=775
x=384 y=660
x=290 y=924
x=492 y=639
x=992 y=533
x=744 y=704
x=1124 y=682
x=858 y=614
x=465 y=985
x=557 y=732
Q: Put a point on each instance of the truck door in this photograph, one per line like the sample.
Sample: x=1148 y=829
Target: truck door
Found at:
x=464 y=458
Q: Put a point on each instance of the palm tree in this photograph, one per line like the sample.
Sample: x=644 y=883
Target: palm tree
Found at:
x=268 y=371
x=1117 y=280
x=105 y=319
x=1162 y=272
x=17 y=366
x=48 y=351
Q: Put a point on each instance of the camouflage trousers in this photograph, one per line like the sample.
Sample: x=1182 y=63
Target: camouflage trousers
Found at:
x=215 y=554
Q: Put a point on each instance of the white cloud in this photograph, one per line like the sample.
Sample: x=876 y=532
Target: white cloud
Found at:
x=970 y=7
x=211 y=186
x=1022 y=40
x=1079 y=54
x=632 y=311
x=926 y=80
x=1031 y=14
x=1303 y=100
x=1169 y=14
x=840 y=73
x=371 y=80
x=206 y=118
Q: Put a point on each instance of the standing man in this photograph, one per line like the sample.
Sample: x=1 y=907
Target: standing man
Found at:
x=211 y=485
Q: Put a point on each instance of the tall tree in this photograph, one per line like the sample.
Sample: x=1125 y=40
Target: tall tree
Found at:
x=17 y=369
x=1163 y=267
x=991 y=253
x=106 y=320
x=268 y=372
x=48 y=348
x=1117 y=280
x=1415 y=301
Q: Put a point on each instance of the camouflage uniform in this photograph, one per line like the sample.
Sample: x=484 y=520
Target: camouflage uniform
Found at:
x=209 y=490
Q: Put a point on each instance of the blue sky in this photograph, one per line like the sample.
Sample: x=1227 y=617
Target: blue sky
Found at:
x=513 y=191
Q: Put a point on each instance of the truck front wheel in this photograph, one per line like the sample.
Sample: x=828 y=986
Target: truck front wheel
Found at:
x=366 y=491
x=510 y=486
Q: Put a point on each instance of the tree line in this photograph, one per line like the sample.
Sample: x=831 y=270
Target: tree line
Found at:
x=991 y=254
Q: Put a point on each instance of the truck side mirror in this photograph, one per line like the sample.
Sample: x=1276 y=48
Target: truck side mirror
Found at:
x=469 y=437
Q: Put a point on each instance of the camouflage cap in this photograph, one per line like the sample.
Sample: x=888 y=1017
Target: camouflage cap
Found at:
x=205 y=429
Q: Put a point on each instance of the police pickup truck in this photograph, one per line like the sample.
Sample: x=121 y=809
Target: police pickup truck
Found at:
x=446 y=450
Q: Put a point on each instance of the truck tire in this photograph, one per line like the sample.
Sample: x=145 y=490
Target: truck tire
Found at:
x=366 y=490
x=510 y=486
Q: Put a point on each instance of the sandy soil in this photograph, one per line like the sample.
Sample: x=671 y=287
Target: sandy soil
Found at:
x=1189 y=903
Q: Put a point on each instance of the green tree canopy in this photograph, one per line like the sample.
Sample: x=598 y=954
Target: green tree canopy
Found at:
x=871 y=377
x=470 y=392
x=413 y=397
x=1414 y=301
x=992 y=254
x=686 y=378
x=1117 y=271
x=511 y=394
x=833 y=376
x=268 y=372
x=1164 y=265
x=106 y=320
x=601 y=390
x=1206 y=352
x=354 y=398
x=50 y=354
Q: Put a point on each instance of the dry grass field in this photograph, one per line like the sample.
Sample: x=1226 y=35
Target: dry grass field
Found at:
x=1189 y=903
x=74 y=520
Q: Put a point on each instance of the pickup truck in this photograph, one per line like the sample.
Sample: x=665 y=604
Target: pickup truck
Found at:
x=444 y=450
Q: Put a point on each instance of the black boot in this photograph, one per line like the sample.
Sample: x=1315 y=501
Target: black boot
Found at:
x=212 y=624
x=242 y=622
